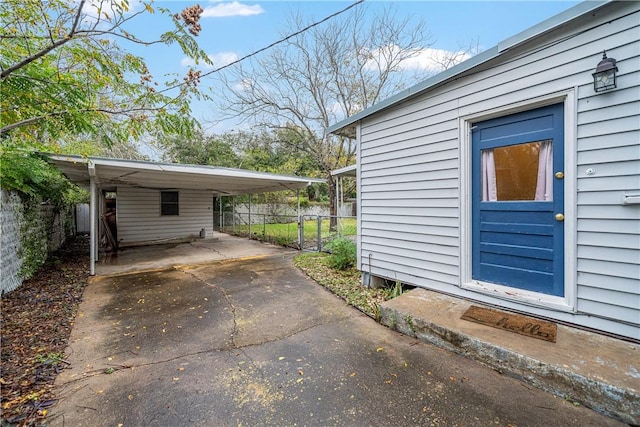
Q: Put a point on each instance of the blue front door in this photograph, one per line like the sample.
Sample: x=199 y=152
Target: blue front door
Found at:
x=518 y=200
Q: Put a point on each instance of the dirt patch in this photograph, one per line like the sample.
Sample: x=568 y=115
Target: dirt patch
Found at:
x=35 y=324
x=345 y=283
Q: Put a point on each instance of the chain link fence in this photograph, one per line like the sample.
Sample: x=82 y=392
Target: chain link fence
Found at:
x=306 y=232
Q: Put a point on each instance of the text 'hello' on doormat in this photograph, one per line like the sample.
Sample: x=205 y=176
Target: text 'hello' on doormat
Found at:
x=517 y=323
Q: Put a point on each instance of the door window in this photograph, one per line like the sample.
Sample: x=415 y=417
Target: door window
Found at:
x=517 y=172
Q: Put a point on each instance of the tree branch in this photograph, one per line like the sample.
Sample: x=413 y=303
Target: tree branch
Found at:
x=49 y=48
x=85 y=110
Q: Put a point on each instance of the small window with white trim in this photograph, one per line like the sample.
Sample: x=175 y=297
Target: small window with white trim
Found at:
x=169 y=203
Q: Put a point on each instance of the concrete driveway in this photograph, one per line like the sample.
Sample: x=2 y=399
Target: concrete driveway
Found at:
x=251 y=342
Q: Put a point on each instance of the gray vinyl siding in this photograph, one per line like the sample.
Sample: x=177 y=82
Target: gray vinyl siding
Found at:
x=410 y=168
x=139 y=219
x=608 y=232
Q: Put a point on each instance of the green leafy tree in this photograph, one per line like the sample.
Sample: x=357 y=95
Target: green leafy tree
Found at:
x=68 y=80
x=201 y=149
x=267 y=151
x=276 y=151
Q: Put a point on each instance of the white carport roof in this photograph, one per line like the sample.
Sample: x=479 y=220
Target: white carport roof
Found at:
x=110 y=173
x=345 y=171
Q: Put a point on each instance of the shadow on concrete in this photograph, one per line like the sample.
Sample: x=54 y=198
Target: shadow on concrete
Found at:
x=253 y=342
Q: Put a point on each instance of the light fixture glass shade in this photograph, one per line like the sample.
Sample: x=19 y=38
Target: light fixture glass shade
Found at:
x=604 y=77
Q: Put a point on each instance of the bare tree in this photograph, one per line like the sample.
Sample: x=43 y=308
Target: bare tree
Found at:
x=320 y=76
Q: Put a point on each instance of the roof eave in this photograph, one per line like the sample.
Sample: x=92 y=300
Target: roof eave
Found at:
x=342 y=127
x=345 y=171
x=272 y=182
x=346 y=127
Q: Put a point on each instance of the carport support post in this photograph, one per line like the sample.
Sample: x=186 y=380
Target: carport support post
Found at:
x=249 y=216
x=300 y=223
x=221 y=221
x=338 y=197
x=93 y=220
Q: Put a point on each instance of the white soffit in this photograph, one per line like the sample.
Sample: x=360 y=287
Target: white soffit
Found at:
x=345 y=171
x=171 y=176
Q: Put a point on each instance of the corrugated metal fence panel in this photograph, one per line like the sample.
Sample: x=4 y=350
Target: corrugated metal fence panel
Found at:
x=83 y=223
x=11 y=217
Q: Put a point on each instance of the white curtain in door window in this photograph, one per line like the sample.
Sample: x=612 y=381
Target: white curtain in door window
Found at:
x=489 y=186
x=544 y=186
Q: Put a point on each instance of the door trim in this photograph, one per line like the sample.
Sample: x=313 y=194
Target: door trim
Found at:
x=568 y=301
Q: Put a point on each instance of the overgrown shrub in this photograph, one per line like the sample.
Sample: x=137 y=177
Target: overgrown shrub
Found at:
x=343 y=253
x=38 y=184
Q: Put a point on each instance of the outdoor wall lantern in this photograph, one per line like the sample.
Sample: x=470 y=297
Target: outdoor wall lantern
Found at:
x=604 y=77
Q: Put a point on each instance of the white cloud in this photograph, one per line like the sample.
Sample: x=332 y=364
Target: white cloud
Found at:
x=223 y=58
x=337 y=109
x=187 y=62
x=432 y=60
x=109 y=7
x=219 y=60
x=235 y=8
x=435 y=60
x=243 y=85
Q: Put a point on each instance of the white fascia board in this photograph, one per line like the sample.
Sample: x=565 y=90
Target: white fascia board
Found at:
x=415 y=90
x=200 y=170
x=551 y=23
x=345 y=171
x=136 y=165
x=489 y=54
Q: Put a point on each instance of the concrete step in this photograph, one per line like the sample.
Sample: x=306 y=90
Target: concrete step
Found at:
x=596 y=371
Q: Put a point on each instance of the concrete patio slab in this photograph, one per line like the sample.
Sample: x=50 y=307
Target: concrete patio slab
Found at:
x=253 y=342
x=220 y=246
x=594 y=370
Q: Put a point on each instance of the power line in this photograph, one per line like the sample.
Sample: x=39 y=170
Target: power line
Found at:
x=282 y=40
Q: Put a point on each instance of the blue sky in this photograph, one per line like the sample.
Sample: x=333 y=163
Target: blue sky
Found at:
x=233 y=29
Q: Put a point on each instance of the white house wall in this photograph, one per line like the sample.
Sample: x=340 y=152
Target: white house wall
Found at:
x=410 y=167
x=139 y=219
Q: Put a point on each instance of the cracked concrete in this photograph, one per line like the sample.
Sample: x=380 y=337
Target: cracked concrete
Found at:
x=250 y=342
x=147 y=258
x=234 y=330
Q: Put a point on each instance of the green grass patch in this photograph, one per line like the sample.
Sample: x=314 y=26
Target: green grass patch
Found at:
x=344 y=283
x=285 y=233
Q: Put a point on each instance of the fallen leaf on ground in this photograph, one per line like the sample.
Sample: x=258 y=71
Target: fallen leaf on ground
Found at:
x=37 y=318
